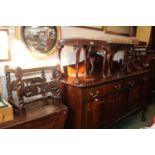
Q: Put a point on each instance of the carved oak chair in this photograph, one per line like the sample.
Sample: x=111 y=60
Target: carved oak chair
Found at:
x=36 y=96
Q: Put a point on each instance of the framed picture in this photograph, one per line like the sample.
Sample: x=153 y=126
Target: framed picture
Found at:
x=100 y=28
x=4 y=45
x=119 y=30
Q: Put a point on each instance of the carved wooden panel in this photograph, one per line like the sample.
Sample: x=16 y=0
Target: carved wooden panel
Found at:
x=39 y=89
x=32 y=87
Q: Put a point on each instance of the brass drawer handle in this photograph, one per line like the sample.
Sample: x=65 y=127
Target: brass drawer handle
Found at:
x=131 y=83
x=91 y=43
x=94 y=95
x=145 y=79
x=117 y=86
x=96 y=100
x=99 y=101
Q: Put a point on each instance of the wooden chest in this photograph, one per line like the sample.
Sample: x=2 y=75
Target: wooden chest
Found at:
x=46 y=116
x=6 y=111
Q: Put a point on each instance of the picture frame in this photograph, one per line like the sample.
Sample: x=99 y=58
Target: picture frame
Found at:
x=118 y=30
x=4 y=45
x=100 y=28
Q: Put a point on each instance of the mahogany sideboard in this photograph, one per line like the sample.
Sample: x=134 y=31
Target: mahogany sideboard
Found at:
x=99 y=103
x=100 y=99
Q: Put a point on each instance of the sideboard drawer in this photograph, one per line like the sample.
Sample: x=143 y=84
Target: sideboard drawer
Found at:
x=92 y=93
x=136 y=81
x=95 y=92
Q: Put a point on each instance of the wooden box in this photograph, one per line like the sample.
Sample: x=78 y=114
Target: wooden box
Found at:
x=6 y=111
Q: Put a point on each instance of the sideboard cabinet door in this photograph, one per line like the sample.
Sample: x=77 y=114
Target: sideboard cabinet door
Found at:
x=122 y=103
x=90 y=115
x=97 y=114
x=135 y=95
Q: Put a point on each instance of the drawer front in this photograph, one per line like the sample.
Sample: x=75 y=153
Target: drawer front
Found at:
x=96 y=92
x=145 y=78
x=134 y=81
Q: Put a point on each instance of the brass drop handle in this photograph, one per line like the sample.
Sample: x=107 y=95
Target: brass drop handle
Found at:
x=96 y=100
x=145 y=79
x=99 y=101
x=94 y=95
x=131 y=83
x=117 y=86
x=91 y=43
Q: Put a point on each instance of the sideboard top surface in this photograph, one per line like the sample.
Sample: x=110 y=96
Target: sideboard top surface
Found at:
x=97 y=79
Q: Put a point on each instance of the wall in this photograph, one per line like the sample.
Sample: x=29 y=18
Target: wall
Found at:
x=20 y=55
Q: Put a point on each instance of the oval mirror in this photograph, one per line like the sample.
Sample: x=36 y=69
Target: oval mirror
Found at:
x=40 y=40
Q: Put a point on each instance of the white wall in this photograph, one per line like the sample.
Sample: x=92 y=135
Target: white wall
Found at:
x=21 y=56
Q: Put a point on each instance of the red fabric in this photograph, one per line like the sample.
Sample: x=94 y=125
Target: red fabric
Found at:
x=153 y=120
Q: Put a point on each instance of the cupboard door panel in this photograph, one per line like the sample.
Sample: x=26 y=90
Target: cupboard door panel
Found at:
x=107 y=110
x=145 y=95
x=122 y=103
x=90 y=115
x=99 y=113
x=135 y=95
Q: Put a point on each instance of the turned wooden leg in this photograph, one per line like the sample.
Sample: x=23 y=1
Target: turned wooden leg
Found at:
x=129 y=64
x=110 y=59
x=92 y=65
x=124 y=68
x=8 y=81
x=78 y=49
x=86 y=60
x=104 y=65
x=59 y=54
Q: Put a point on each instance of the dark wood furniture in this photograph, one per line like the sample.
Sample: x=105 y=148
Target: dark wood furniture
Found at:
x=31 y=82
x=148 y=61
x=130 y=62
x=151 y=42
x=45 y=116
x=37 y=102
x=89 y=47
x=97 y=101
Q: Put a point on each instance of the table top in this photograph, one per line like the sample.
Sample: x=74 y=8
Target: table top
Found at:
x=97 y=79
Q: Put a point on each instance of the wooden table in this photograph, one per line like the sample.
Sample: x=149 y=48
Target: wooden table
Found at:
x=89 y=46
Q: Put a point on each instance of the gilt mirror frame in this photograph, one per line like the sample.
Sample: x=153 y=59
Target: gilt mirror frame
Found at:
x=20 y=34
